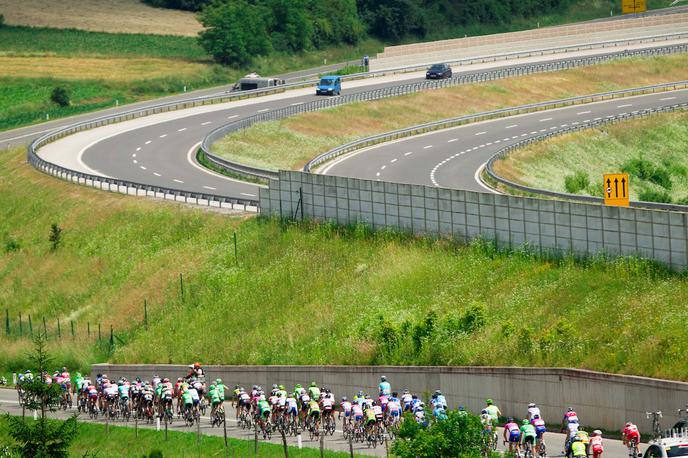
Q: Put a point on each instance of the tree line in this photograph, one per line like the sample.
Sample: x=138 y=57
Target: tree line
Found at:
x=238 y=30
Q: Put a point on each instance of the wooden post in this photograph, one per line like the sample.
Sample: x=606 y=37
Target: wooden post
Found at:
x=236 y=259
x=284 y=444
x=145 y=314
x=88 y=330
x=255 y=447
x=351 y=444
x=198 y=432
x=59 y=331
x=7 y=322
x=224 y=425
x=21 y=327
x=136 y=424
x=71 y=322
x=322 y=444
x=165 y=426
x=45 y=328
x=181 y=286
x=30 y=326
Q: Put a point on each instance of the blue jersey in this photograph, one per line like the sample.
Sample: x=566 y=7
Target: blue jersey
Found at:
x=385 y=388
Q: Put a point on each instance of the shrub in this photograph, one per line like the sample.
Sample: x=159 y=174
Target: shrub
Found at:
x=2 y=20
x=643 y=169
x=576 y=182
x=650 y=195
x=661 y=177
x=60 y=96
x=459 y=435
x=55 y=236
x=11 y=245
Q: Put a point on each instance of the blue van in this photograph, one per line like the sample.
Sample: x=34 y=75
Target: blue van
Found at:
x=329 y=85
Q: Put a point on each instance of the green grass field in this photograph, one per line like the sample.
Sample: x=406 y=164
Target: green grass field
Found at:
x=92 y=440
x=366 y=298
x=653 y=151
x=300 y=138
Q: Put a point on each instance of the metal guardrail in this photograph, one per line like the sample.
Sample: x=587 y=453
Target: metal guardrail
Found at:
x=76 y=176
x=612 y=119
x=467 y=119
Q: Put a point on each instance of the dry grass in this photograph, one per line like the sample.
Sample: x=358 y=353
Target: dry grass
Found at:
x=300 y=138
x=117 y=16
x=106 y=69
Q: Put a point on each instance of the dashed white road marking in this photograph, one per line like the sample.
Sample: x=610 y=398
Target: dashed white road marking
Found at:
x=133 y=155
x=393 y=160
x=511 y=126
x=210 y=187
x=142 y=167
x=157 y=174
x=163 y=136
x=564 y=125
x=583 y=113
x=135 y=161
x=409 y=153
x=206 y=123
x=182 y=129
x=427 y=147
x=452 y=140
x=488 y=144
x=232 y=117
x=482 y=146
x=263 y=110
x=481 y=133
x=514 y=137
x=149 y=142
x=624 y=106
x=586 y=120
x=545 y=119
x=138 y=149
x=533 y=132
x=667 y=98
x=553 y=127
x=498 y=141
x=377 y=174
x=543 y=130
x=247 y=194
x=523 y=135
x=597 y=119
x=297 y=103
x=178 y=181
x=383 y=167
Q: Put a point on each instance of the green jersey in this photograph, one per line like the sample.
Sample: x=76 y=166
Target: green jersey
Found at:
x=220 y=388
x=187 y=398
x=493 y=412
x=263 y=406
x=527 y=431
x=78 y=381
x=214 y=396
x=314 y=393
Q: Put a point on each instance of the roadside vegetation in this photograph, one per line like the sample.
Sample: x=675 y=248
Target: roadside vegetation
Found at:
x=300 y=138
x=92 y=440
x=370 y=298
x=652 y=151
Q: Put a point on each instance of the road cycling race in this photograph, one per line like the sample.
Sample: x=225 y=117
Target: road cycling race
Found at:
x=392 y=228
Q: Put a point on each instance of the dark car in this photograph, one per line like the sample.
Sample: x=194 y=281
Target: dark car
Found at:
x=439 y=71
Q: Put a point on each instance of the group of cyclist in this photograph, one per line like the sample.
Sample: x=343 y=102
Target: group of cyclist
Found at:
x=312 y=407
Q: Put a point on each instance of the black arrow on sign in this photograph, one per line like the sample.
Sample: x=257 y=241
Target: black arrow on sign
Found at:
x=609 y=187
x=623 y=187
x=616 y=187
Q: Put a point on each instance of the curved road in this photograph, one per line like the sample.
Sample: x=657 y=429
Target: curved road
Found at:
x=159 y=149
x=452 y=158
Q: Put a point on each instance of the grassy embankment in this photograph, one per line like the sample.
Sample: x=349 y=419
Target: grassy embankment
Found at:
x=300 y=138
x=653 y=152
x=100 y=68
x=382 y=298
x=92 y=440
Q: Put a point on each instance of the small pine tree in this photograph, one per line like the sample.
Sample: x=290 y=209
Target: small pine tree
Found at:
x=60 y=96
x=55 y=236
x=41 y=438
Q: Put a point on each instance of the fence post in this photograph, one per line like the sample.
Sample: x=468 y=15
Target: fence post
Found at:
x=181 y=286
x=99 y=335
x=59 y=331
x=88 y=329
x=21 y=327
x=145 y=314
x=7 y=322
x=112 y=339
x=30 y=326
x=45 y=328
x=71 y=322
x=236 y=259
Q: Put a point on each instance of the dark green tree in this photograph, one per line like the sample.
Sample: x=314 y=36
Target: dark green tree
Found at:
x=41 y=438
x=60 y=96
x=55 y=236
x=459 y=435
x=235 y=31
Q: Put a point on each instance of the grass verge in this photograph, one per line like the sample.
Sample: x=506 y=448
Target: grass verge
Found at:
x=300 y=138
x=369 y=298
x=653 y=152
x=91 y=440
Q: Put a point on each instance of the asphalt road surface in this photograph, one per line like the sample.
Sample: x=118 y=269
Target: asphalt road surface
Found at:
x=9 y=403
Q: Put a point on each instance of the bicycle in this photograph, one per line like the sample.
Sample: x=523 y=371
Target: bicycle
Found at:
x=632 y=448
x=542 y=448
x=527 y=450
x=218 y=417
x=656 y=424
x=329 y=425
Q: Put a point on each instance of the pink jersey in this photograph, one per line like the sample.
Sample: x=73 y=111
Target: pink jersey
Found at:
x=511 y=427
x=346 y=406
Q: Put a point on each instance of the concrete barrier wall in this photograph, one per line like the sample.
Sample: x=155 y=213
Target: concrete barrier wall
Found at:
x=601 y=400
x=513 y=222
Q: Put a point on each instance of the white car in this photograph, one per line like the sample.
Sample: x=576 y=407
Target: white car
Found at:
x=669 y=447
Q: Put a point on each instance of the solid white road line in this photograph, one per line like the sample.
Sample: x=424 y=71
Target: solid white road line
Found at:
x=409 y=153
x=583 y=113
x=477 y=179
x=452 y=140
x=667 y=98
x=263 y=110
x=393 y=160
x=26 y=135
x=427 y=147
x=247 y=194
x=624 y=106
x=545 y=119
x=297 y=103
x=232 y=117
x=190 y=159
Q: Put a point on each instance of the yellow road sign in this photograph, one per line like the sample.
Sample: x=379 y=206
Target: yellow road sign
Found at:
x=616 y=189
x=633 y=6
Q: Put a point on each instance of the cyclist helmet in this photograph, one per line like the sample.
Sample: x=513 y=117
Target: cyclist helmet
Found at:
x=420 y=404
x=414 y=397
x=438 y=392
x=525 y=422
x=165 y=380
x=298 y=385
x=146 y=382
x=510 y=420
x=383 y=378
x=461 y=409
x=355 y=398
x=78 y=374
x=532 y=404
x=191 y=366
x=374 y=403
x=281 y=387
x=313 y=384
x=597 y=432
x=484 y=411
x=344 y=398
x=197 y=365
x=577 y=438
x=218 y=381
x=274 y=386
x=27 y=371
x=255 y=387
x=628 y=424
x=180 y=379
x=406 y=391
x=570 y=409
x=64 y=369
x=434 y=396
x=262 y=397
x=105 y=376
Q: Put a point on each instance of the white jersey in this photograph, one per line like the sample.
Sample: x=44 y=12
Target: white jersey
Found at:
x=291 y=402
x=533 y=412
x=111 y=390
x=193 y=393
x=573 y=429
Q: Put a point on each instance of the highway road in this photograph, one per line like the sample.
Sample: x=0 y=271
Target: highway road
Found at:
x=159 y=149
x=8 y=403
x=452 y=158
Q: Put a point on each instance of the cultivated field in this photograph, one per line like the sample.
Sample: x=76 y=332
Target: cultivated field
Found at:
x=115 y=16
x=300 y=138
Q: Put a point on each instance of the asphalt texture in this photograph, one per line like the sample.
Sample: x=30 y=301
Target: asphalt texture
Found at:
x=336 y=442
x=451 y=158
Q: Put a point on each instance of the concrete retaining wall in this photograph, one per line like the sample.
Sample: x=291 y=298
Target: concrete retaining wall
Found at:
x=542 y=225
x=601 y=400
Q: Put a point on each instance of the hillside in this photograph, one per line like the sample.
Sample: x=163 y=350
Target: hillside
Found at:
x=333 y=295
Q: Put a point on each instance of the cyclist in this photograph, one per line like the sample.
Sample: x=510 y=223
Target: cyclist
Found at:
x=123 y=391
x=78 y=381
x=314 y=392
x=406 y=400
x=419 y=415
x=314 y=413
x=166 y=399
x=540 y=430
x=384 y=387
x=486 y=421
x=291 y=407
x=220 y=389
x=629 y=434
x=512 y=435
x=569 y=425
x=394 y=409
x=188 y=401
x=370 y=420
x=327 y=405
x=357 y=412
x=111 y=391
x=533 y=412
x=439 y=399
x=528 y=434
x=578 y=448
x=244 y=402
x=493 y=411
x=439 y=413
x=596 y=444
